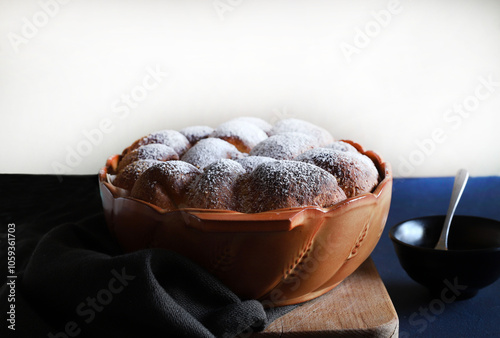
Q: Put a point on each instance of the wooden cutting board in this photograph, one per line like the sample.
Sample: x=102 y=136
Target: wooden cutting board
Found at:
x=360 y=306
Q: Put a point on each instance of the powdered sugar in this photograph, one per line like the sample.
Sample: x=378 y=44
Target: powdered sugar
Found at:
x=152 y=151
x=196 y=133
x=281 y=184
x=209 y=150
x=249 y=134
x=127 y=177
x=322 y=136
x=355 y=172
x=285 y=146
x=266 y=127
x=215 y=188
x=288 y=169
x=177 y=168
x=341 y=146
x=164 y=184
x=171 y=138
x=328 y=159
x=249 y=163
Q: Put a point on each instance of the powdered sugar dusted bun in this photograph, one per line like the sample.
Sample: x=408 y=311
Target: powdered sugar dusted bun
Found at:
x=196 y=133
x=209 y=150
x=355 y=172
x=265 y=126
x=341 y=146
x=242 y=134
x=165 y=184
x=322 y=136
x=129 y=175
x=158 y=152
x=285 y=146
x=288 y=184
x=216 y=187
x=298 y=165
x=249 y=163
x=171 y=138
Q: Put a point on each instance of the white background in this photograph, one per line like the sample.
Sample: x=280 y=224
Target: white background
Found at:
x=388 y=75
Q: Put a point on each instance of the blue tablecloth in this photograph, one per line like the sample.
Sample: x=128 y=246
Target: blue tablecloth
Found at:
x=420 y=315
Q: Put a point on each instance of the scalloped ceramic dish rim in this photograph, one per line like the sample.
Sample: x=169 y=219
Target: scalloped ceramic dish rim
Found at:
x=271 y=216
x=451 y=251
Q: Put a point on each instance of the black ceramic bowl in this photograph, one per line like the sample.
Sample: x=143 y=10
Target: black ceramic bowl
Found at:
x=471 y=263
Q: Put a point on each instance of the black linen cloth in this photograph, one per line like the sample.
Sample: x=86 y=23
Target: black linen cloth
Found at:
x=74 y=281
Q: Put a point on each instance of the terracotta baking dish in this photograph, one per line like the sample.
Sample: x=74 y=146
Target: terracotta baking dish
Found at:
x=280 y=257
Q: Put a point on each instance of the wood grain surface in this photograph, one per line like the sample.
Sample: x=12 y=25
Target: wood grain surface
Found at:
x=359 y=307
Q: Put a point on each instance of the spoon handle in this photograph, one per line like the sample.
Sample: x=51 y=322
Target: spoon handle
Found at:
x=458 y=188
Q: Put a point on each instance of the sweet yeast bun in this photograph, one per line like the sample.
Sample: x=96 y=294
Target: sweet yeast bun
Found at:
x=341 y=146
x=321 y=135
x=196 y=133
x=127 y=177
x=249 y=163
x=209 y=150
x=242 y=134
x=262 y=124
x=244 y=165
x=171 y=138
x=215 y=188
x=165 y=184
x=159 y=152
x=285 y=146
x=288 y=184
x=355 y=172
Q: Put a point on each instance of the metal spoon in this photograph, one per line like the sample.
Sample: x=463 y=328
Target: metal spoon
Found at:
x=458 y=187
